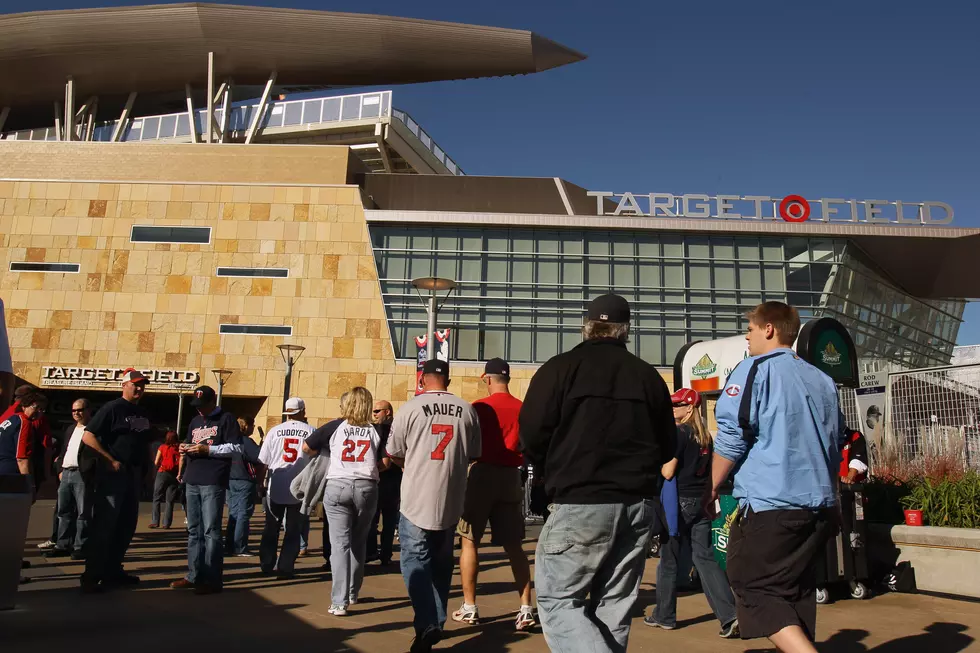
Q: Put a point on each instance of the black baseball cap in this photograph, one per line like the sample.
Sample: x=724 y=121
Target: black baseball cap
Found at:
x=609 y=308
x=435 y=366
x=497 y=366
x=203 y=396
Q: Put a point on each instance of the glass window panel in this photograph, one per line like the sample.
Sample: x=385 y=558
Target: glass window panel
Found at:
x=699 y=276
x=548 y=244
x=650 y=276
x=747 y=249
x=497 y=269
x=647 y=245
x=795 y=248
x=523 y=243
x=822 y=250
x=547 y=271
x=723 y=248
x=598 y=272
x=749 y=276
x=673 y=246
x=371 y=106
x=331 y=109
x=697 y=248
x=774 y=278
x=351 y=108
x=673 y=342
x=573 y=244
x=674 y=276
x=724 y=275
x=772 y=250
x=651 y=347
x=520 y=343
x=294 y=113
x=572 y=271
x=311 y=110
x=522 y=275
x=598 y=244
x=699 y=297
x=471 y=242
x=150 y=127
x=624 y=276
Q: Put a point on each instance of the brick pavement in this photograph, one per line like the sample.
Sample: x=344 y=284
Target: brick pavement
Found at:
x=258 y=614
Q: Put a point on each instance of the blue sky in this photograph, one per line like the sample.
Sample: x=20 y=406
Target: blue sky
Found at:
x=870 y=99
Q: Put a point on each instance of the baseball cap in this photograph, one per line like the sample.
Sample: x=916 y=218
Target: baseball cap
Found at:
x=294 y=406
x=497 y=366
x=686 y=396
x=609 y=308
x=435 y=366
x=203 y=396
x=132 y=375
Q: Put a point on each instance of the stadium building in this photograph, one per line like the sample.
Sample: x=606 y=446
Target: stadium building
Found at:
x=183 y=189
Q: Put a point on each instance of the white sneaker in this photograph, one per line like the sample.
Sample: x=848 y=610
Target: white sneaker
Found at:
x=47 y=545
x=525 y=619
x=467 y=615
x=338 y=610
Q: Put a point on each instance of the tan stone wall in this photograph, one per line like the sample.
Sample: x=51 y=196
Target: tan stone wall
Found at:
x=160 y=305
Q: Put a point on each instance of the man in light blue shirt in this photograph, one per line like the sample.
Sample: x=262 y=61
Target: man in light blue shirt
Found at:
x=779 y=429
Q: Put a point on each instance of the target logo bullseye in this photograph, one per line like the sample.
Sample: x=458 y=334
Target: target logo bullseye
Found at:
x=794 y=208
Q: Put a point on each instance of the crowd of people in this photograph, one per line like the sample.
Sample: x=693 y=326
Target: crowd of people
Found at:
x=612 y=449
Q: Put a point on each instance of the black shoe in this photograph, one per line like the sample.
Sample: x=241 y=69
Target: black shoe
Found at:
x=77 y=555
x=90 y=587
x=25 y=564
x=122 y=579
x=285 y=575
x=56 y=553
x=268 y=571
x=325 y=566
x=371 y=557
x=429 y=638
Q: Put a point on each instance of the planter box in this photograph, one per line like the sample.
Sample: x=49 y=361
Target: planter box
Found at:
x=946 y=560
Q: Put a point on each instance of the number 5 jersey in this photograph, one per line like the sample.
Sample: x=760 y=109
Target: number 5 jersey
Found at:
x=282 y=453
x=437 y=434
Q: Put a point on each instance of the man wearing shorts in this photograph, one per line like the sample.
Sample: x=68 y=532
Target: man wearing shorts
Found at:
x=779 y=428
x=494 y=494
x=434 y=438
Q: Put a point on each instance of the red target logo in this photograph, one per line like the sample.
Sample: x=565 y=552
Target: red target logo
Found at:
x=794 y=208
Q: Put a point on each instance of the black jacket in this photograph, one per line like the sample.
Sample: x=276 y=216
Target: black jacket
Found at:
x=598 y=421
x=220 y=427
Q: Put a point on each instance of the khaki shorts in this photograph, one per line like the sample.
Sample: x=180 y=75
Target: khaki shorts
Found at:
x=493 y=494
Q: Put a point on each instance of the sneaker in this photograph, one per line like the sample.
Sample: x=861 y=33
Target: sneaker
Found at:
x=468 y=615
x=244 y=554
x=47 y=544
x=56 y=553
x=525 y=618
x=653 y=623
x=338 y=610
x=303 y=553
x=429 y=638
x=730 y=631
x=182 y=584
x=153 y=526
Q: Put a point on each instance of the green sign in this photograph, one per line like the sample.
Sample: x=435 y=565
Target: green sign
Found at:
x=832 y=355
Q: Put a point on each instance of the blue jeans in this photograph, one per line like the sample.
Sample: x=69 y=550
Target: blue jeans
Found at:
x=427 y=567
x=587 y=571
x=241 y=505
x=695 y=528
x=349 y=506
x=74 y=505
x=205 y=550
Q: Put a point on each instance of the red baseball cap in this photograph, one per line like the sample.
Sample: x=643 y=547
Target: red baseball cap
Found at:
x=686 y=396
x=131 y=375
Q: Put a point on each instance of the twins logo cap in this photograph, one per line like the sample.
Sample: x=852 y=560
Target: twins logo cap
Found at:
x=435 y=366
x=203 y=396
x=497 y=366
x=609 y=308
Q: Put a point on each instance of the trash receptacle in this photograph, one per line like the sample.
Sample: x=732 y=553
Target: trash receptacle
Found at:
x=16 y=497
x=721 y=526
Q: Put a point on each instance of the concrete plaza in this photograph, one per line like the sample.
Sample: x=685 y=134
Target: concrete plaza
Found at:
x=260 y=614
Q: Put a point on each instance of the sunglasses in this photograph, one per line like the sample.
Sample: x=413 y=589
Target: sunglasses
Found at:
x=77 y=410
x=378 y=410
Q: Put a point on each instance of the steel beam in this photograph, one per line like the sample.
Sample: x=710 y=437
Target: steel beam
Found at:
x=69 y=134
x=123 y=118
x=225 y=111
x=57 y=121
x=256 y=125
x=90 y=125
x=4 y=112
x=190 y=113
x=379 y=135
x=209 y=129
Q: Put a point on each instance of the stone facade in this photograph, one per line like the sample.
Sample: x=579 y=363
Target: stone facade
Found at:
x=159 y=305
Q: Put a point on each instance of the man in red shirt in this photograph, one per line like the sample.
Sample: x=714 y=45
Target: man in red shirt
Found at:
x=494 y=494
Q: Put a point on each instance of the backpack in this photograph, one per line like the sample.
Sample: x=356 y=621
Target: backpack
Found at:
x=169 y=459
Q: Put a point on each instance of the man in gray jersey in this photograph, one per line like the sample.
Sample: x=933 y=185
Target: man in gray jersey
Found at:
x=434 y=437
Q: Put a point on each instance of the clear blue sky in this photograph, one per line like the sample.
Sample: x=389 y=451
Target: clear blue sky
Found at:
x=869 y=99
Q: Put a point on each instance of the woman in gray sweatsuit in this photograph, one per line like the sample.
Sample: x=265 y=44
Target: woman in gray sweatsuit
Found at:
x=356 y=455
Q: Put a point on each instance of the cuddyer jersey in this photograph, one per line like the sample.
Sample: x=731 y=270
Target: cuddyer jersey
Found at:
x=779 y=420
x=354 y=452
x=282 y=453
x=437 y=434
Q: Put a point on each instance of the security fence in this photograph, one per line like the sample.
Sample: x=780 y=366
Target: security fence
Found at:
x=932 y=420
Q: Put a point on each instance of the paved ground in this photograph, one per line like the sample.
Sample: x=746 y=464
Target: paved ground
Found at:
x=262 y=615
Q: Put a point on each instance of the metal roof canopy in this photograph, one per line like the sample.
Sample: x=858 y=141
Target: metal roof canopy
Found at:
x=112 y=52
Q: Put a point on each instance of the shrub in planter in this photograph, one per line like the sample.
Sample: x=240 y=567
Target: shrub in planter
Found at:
x=953 y=502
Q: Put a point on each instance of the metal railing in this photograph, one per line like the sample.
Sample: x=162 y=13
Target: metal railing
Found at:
x=305 y=114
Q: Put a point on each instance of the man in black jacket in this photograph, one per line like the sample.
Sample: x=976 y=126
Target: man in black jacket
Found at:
x=214 y=438
x=598 y=421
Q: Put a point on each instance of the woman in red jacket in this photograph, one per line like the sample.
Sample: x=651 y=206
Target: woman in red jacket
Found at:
x=165 y=487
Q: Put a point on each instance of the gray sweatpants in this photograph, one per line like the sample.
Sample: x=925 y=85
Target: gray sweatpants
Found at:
x=349 y=505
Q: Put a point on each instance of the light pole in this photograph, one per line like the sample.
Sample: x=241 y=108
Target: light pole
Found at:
x=290 y=354
x=222 y=376
x=434 y=285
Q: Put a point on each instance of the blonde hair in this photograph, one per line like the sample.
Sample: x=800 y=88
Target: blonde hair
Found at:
x=700 y=431
x=356 y=405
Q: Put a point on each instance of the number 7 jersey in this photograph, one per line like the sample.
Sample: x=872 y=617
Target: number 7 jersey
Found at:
x=282 y=453
x=437 y=434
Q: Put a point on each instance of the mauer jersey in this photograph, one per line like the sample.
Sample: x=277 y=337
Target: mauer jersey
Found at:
x=437 y=434
x=282 y=453
x=354 y=452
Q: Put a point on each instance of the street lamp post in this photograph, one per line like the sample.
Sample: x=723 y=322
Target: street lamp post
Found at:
x=434 y=285
x=290 y=354
x=222 y=376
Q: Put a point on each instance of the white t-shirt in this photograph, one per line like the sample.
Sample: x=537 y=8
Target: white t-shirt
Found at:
x=354 y=452
x=71 y=453
x=282 y=453
x=437 y=434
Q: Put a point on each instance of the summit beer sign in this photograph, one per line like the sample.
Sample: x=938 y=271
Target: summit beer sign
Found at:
x=791 y=208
